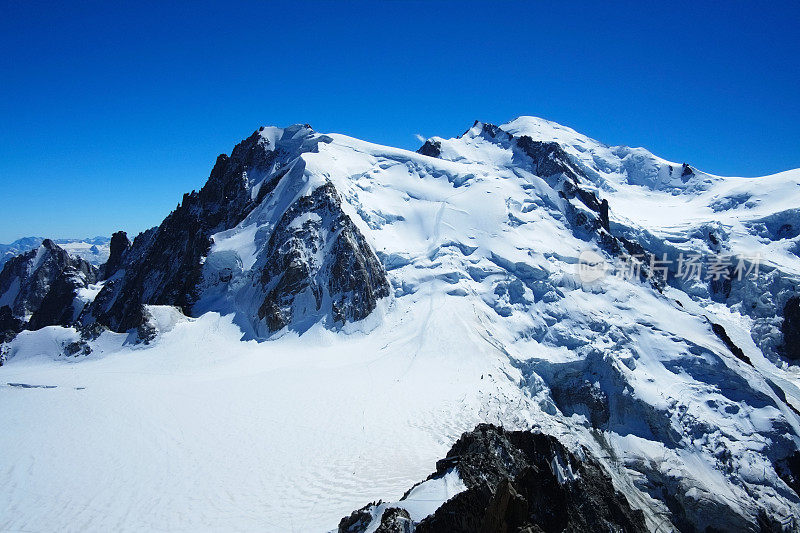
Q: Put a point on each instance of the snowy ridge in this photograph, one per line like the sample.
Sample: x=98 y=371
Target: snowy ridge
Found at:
x=404 y=298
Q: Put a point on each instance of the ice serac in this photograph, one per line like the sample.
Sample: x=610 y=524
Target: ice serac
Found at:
x=40 y=287
x=637 y=205
x=260 y=239
x=632 y=205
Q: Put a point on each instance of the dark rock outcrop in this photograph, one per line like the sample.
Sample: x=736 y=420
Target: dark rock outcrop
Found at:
x=58 y=307
x=431 y=148
x=720 y=332
x=604 y=222
x=531 y=481
x=523 y=481
x=9 y=324
x=791 y=329
x=164 y=264
x=118 y=248
x=548 y=158
x=395 y=520
x=39 y=287
x=326 y=257
x=358 y=520
x=788 y=469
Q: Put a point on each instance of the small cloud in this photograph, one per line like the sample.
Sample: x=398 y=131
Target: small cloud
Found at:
x=420 y=138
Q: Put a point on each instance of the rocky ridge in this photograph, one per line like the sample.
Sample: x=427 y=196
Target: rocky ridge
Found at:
x=313 y=257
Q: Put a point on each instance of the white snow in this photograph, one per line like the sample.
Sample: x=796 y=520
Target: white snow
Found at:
x=291 y=434
x=422 y=500
x=89 y=293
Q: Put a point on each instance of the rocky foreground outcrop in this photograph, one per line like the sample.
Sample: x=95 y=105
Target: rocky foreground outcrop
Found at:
x=516 y=481
x=527 y=482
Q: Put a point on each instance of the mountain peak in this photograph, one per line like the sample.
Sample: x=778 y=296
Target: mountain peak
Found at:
x=540 y=129
x=289 y=138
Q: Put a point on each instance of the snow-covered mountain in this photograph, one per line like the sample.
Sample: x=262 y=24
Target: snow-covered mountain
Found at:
x=321 y=321
x=94 y=250
x=262 y=238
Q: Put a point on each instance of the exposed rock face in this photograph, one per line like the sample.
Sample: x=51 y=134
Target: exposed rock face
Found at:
x=788 y=469
x=39 y=287
x=164 y=264
x=119 y=247
x=395 y=521
x=9 y=324
x=720 y=332
x=431 y=148
x=359 y=520
x=791 y=329
x=520 y=481
x=548 y=157
x=317 y=255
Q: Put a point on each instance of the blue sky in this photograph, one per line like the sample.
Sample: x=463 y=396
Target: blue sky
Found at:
x=109 y=114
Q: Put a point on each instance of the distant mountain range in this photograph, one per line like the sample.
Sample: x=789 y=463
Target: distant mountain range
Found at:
x=94 y=250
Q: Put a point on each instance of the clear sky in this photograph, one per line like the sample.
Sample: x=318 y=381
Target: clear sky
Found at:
x=109 y=114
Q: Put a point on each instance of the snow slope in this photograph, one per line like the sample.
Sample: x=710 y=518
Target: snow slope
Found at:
x=201 y=431
x=488 y=321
